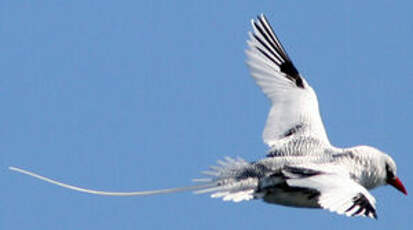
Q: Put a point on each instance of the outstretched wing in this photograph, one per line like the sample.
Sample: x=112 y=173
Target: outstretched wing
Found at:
x=294 y=103
x=339 y=194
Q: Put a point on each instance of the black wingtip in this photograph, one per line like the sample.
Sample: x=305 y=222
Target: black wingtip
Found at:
x=289 y=69
x=363 y=204
x=274 y=51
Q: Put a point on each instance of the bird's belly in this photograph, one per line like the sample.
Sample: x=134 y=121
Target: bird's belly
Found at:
x=304 y=199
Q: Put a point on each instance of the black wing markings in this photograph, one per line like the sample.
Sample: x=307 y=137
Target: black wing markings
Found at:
x=280 y=57
x=293 y=130
x=278 y=181
x=362 y=204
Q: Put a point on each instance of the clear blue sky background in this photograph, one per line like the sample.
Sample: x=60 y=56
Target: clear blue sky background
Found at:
x=135 y=95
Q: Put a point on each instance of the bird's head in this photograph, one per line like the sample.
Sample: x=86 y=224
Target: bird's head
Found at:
x=390 y=176
x=383 y=166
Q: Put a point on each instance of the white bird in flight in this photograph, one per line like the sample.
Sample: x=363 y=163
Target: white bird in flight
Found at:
x=302 y=168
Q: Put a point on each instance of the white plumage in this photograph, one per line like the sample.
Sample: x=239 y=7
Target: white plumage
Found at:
x=302 y=168
x=291 y=105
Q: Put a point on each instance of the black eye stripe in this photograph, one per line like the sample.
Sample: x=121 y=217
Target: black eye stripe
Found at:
x=389 y=173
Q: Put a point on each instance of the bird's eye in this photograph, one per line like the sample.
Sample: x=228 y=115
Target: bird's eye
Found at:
x=389 y=172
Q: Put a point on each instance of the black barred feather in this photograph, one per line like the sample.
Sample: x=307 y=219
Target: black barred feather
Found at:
x=275 y=51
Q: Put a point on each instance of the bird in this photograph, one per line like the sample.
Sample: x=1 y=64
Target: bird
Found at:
x=301 y=168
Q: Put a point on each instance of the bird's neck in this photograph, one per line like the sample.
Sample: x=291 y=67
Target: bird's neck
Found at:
x=365 y=170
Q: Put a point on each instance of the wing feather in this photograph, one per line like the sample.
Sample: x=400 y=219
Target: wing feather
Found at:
x=339 y=194
x=294 y=102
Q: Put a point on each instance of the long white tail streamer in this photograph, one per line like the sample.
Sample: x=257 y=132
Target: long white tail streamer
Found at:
x=106 y=193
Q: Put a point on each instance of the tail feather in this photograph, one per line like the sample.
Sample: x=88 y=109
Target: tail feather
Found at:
x=109 y=193
x=230 y=184
x=226 y=181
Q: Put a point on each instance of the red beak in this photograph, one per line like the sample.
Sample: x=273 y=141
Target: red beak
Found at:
x=395 y=182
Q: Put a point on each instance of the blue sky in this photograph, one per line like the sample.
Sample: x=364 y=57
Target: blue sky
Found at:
x=138 y=95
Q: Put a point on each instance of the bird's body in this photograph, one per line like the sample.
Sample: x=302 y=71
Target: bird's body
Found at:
x=302 y=168
x=287 y=175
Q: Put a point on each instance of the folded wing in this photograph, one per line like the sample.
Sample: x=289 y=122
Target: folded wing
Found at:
x=339 y=194
x=294 y=103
